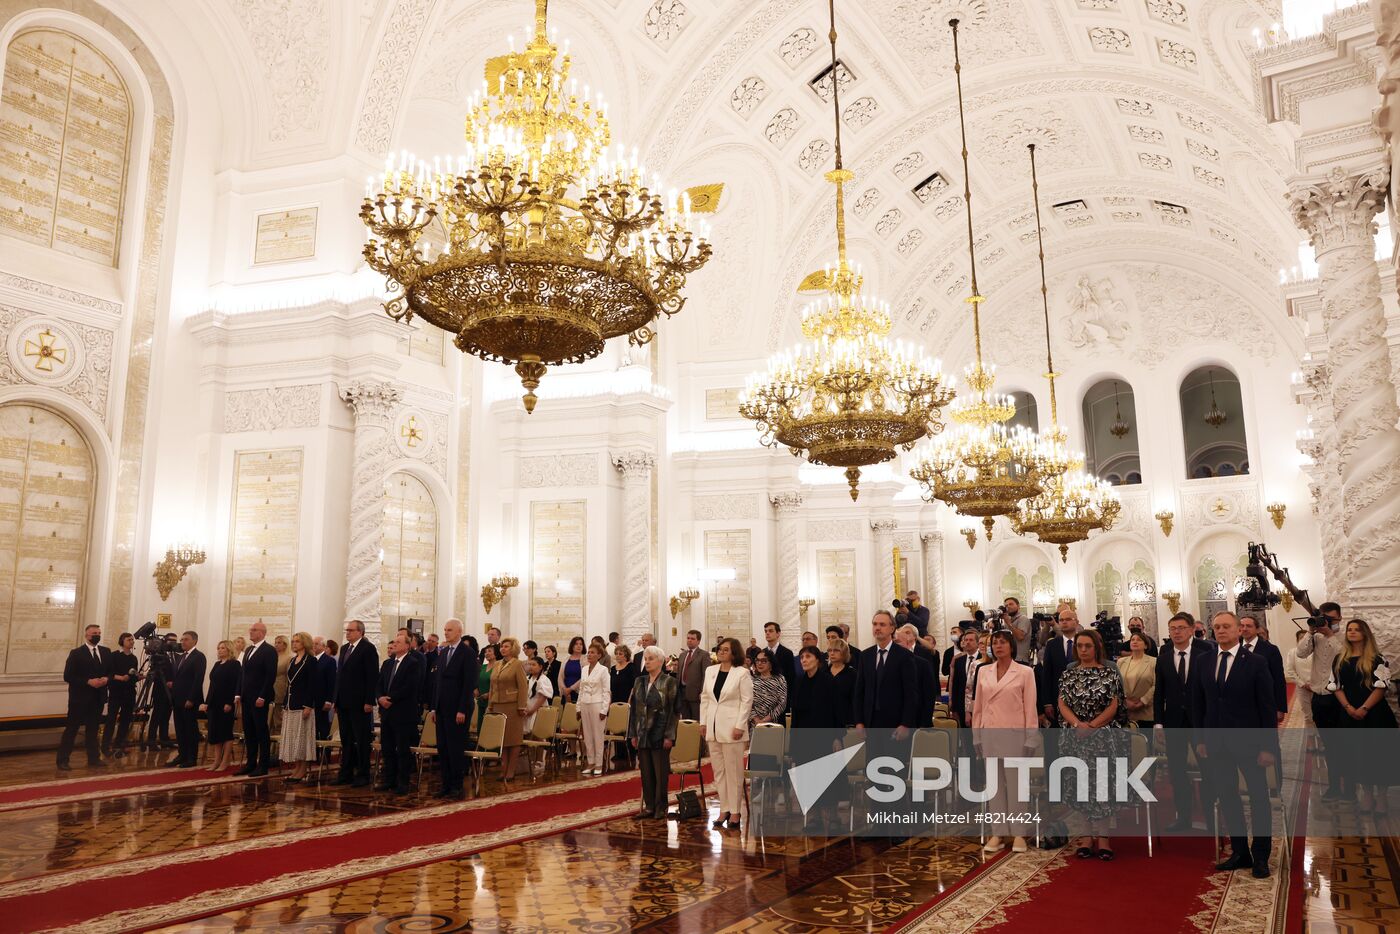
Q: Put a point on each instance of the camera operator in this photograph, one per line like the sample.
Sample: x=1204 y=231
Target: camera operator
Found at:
x=121 y=697
x=1323 y=644
x=911 y=611
x=1020 y=628
x=157 y=734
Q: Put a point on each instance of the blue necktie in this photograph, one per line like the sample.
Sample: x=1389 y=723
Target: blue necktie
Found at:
x=1220 y=672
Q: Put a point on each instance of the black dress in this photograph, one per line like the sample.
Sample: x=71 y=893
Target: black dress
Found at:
x=1365 y=760
x=845 y=693
x=622 y=679
x=816 y=725
x=223 y=684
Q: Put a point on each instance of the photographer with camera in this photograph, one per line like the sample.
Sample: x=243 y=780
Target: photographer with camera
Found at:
x=1322 y=645
x=910 y=611
x=1019 y=627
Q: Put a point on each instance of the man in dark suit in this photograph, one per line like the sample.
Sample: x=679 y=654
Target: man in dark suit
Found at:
x=916 y=613
x=325 y=674
x=1059 y=655
x=186 y=694
x=397 y=693
x=1254 y=643
x=887 y=684
x=86 y=673
x=255 y=687
x=1232 y=701
x=963 y=666
x=454 y=679
x=690 y=671
x=1171 y=712
x=784 y=662
x=907 y=636
x=354 y=700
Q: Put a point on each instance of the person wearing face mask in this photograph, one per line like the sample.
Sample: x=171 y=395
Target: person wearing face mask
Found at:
x=86 y=673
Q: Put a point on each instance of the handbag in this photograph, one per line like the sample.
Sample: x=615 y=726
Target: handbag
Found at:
x=687 y=805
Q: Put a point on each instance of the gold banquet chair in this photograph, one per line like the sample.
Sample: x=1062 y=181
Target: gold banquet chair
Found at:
x=427 y=746
x=541 y=737
x=570 y=730
x=615 y=732
x=325 y=746
x=767 y=742
x=488 y=747
x=685 y=754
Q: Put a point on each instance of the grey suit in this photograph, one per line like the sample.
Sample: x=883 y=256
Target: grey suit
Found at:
x=690 y=675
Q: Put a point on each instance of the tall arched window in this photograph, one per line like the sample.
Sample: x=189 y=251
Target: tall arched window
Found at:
x=1013 y=584
x=46 y=497
x=1026 y=414
x=1142 y=595
x=409 y=573
x=1212 y=424
x=1108 y=590
x=1111 y=433
x=1043 y=599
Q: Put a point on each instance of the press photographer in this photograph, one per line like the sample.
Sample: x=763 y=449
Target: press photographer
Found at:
x=910 y=610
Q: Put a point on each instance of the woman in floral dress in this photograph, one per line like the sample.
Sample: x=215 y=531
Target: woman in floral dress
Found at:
x=1092 y=708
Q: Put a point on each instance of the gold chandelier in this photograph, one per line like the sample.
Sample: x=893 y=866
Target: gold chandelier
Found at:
x=983 y=466
x=1072 y=503
x=552 y=240
x=849 y=397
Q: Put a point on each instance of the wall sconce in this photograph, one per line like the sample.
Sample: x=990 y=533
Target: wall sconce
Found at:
x=683 y=600
x=1285 y=599
x=972 y=606
x=1071 y=602
x=804 y=604
x=969 y=533
x=494 y=592
x=1173 y=598
x=171 y=569
x=1276 y=510
x=1165 y=517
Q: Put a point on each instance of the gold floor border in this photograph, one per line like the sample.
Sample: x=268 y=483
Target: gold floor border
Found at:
x=120 y=792
x=983 y=901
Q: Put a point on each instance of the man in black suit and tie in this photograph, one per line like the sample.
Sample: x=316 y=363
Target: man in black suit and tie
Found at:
x=690 y=671
x=1256 y=644
x=255 y=688
x=186 y=694
x=354 y=701
x=784 y=662
x=325 y=674
x=887 y=684
x=1232 y=702
x=397 y=694
x=86 y=672
x=1171 y=711
x=907 y=636
x=454 y=679
x=963 y=667
x=1059 y=655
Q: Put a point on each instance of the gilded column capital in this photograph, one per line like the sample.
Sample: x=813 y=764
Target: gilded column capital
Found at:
x=1339 y=209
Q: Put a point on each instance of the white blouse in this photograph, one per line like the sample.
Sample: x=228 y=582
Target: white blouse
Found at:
x=595 y=687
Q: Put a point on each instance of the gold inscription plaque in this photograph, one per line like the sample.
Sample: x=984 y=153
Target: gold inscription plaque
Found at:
x=264 y=536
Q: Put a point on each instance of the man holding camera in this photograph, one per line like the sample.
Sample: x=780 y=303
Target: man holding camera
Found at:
x=1020 y=627
x=910 y=611
x=1322 y=644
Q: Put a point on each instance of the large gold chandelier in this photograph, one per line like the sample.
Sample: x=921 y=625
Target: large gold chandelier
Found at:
x=849 y=397
x=982 y=466
x=552 y=240
x=1072 y=503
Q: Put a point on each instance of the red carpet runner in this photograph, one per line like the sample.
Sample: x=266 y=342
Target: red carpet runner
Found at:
x=16 y=797
x=181 y=885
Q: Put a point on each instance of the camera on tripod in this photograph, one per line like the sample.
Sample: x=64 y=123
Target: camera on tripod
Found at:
x=1110 y=629
x=153 y=644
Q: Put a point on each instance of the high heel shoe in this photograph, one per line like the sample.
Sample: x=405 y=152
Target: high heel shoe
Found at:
x=733 y=823
x=719 y=824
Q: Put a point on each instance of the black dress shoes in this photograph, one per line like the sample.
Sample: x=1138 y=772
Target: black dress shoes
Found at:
x=1238 y=861
x=246 y=770
x=64 y=767
x=174 y=764
x=259 y=772
x=383 y=787
x=1260 y=871
x=1178 y=826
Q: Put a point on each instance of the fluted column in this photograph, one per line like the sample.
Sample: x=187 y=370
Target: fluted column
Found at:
x=787 y=505
x=1338 y=212
x=636 y=468
x=933 y=581
x=884 y=559
x=373 y=403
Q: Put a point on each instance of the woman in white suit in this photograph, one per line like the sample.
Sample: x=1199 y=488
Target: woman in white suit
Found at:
x=1004 y=724
x=725 y=704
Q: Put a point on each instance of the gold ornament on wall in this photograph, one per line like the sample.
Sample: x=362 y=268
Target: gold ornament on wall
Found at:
x=969 y=533
x=494 y=592
x=1276 y=512
x=1173 y=598
x=172 y=568
x=682 y=601
x=1164 y=518
x=804 y=604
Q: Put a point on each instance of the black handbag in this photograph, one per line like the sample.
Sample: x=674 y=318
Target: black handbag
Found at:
x=687 y=805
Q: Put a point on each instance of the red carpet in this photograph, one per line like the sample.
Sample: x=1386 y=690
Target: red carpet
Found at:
x=184 y=884
x=103 y=786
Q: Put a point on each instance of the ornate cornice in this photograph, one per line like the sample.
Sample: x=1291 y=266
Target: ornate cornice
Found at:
x=786 y=503
x=371 y=398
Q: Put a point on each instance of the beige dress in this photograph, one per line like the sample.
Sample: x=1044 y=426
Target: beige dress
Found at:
x=509 y=691
x=1139 y=683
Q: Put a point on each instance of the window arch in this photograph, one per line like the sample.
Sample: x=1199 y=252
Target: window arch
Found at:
x=46 y=507
x=1026 y=413
x=1013 y=584
x=66 y=120
x=1111 y=433
x=1212 y=423
x=409 y=575
x=1043 y=598
x=1108 y=590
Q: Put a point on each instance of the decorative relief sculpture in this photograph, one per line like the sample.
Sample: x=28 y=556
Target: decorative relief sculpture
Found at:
x=1096 y=317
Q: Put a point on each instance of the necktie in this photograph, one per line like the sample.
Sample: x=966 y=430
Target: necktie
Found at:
x=1221 y=671
x=393 y=671
x=95 y=656
x=685 y=664
x=1067 y=649
x=447 y=657
x=880 y=663
x=1181 y=665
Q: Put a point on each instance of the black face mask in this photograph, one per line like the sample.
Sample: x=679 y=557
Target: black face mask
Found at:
x=95 y=638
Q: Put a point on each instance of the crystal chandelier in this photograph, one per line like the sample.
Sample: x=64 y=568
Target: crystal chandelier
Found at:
x=982 y=466
x=1214 y=418
x=552 y=240
x=1119 y=428
x=1072 y=503
x=848 y=397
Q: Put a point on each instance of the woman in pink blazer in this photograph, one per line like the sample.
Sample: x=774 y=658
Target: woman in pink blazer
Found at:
x=1004 y=724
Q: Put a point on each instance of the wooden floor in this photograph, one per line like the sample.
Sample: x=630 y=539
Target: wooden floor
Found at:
x=618 y=875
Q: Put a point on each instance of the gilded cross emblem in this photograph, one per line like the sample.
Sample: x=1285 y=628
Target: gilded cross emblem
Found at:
x=410 y=433
x=46 y=352
x=1220 y=507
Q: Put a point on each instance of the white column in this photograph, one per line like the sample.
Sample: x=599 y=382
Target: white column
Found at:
x=636 y=468
x=884 y=560
x=1325 y=478
x=373 y=403
x=933 y=581
x=1338 y=212
x=787 y=505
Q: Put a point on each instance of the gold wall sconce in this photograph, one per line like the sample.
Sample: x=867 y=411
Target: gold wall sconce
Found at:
x=1173 y=598
x=683 y=600
x=1276 y=511
x=494 y=592
x=969 y=533
x=972 y=606
x=1164 y=517
x=171 y=569
x=804 y=604
x=1071 y=602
